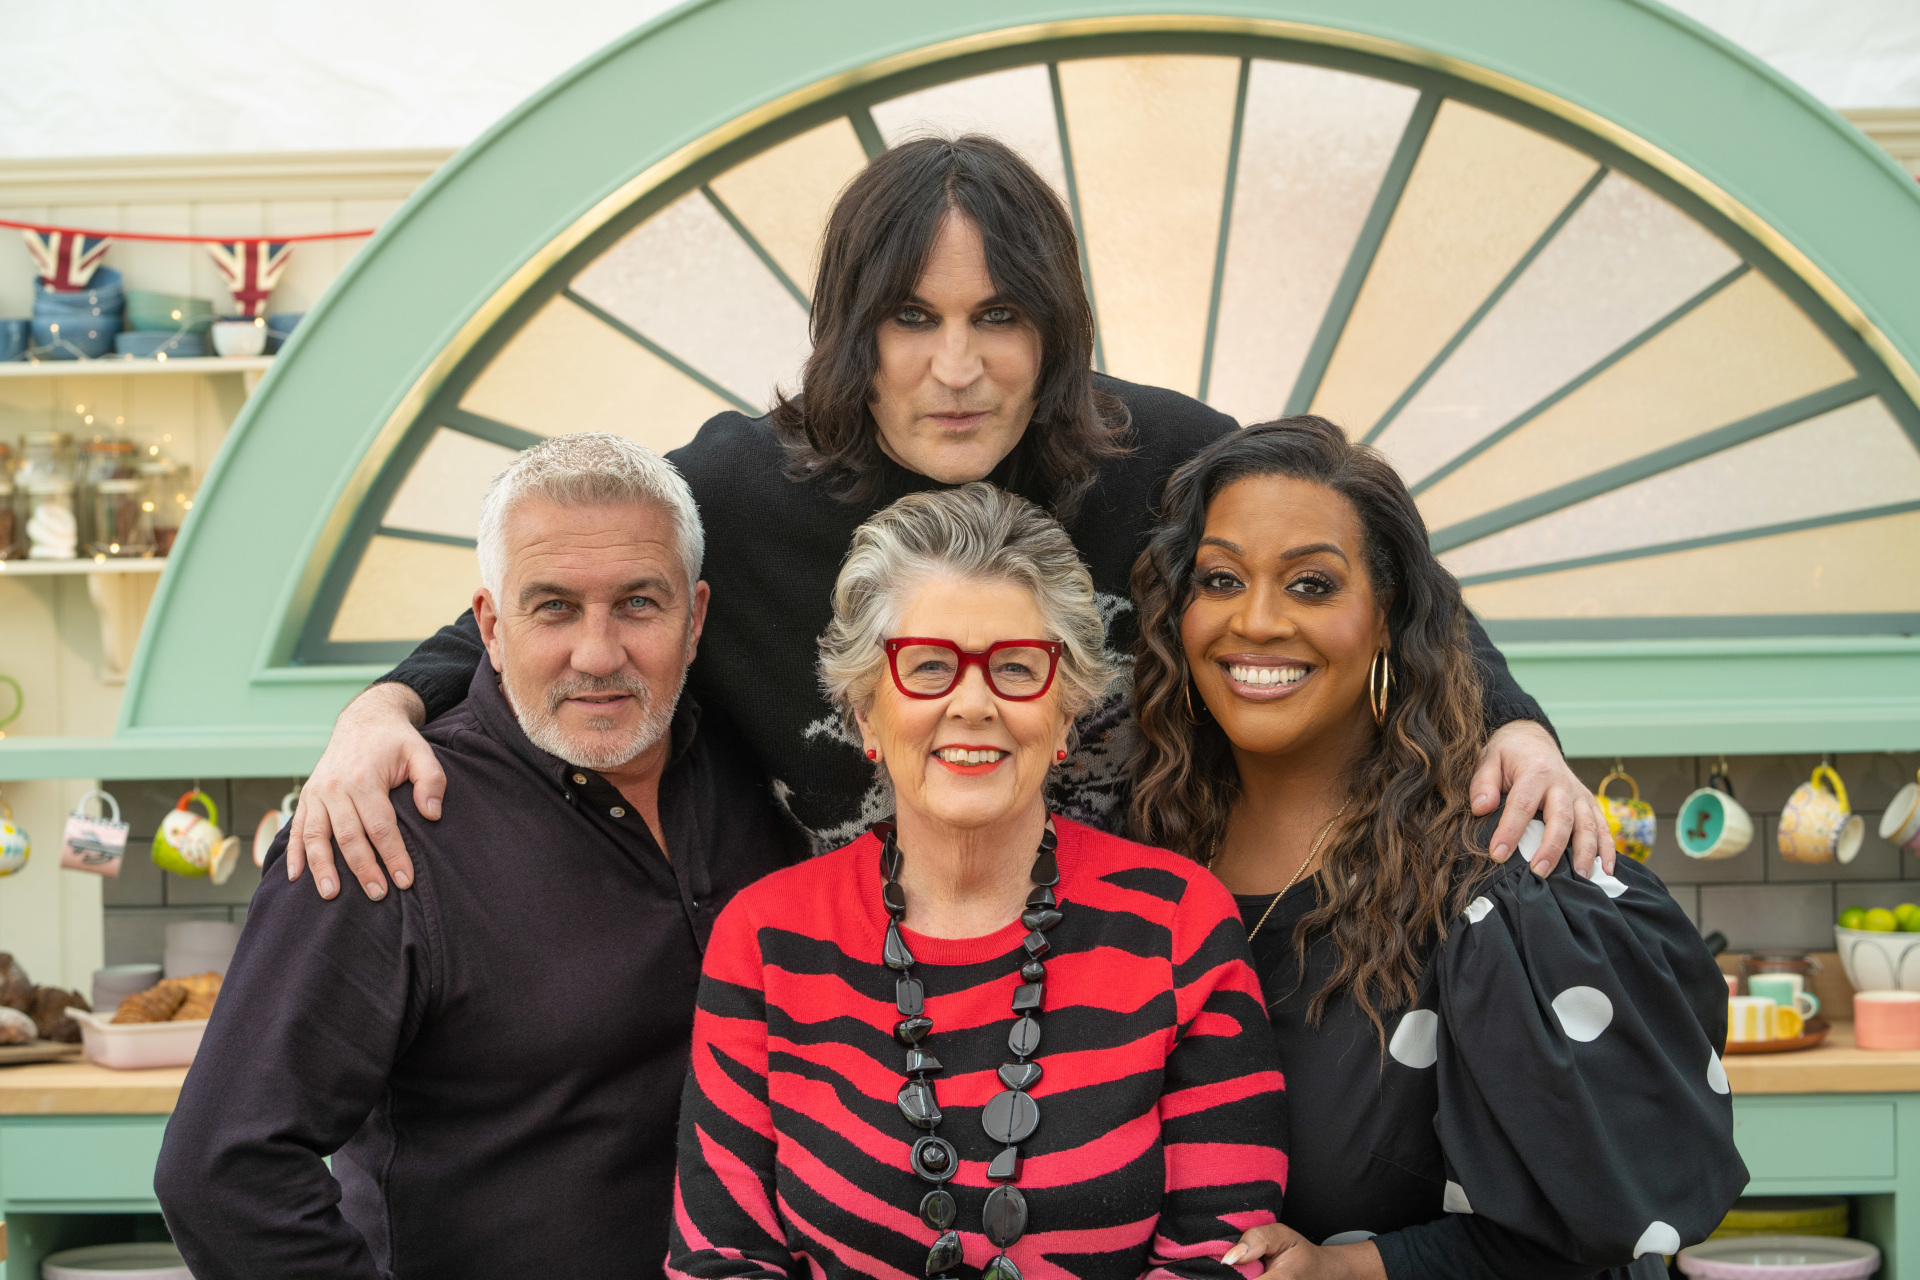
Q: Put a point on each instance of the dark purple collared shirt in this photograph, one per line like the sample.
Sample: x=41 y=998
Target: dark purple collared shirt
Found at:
x=493 y=1058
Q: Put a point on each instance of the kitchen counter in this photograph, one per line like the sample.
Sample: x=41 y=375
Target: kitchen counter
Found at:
x=78 y=1087
x=1834 y=1066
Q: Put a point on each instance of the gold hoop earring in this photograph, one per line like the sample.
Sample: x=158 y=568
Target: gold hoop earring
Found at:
x=1379 y=685
x=1191 y=718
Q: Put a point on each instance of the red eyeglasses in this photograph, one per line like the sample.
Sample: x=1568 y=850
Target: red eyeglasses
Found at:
x=1017 y=670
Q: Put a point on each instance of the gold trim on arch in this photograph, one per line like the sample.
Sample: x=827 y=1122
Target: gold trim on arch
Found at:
x=540 y=262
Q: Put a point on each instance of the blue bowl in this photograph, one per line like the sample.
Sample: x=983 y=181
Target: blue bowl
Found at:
x=14 y=337
x=175 y=346
x=280 y=327
x=88 y=337
x=105 y=290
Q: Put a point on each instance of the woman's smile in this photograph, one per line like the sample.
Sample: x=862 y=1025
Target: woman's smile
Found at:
x=971 y=761
x=1259 y=678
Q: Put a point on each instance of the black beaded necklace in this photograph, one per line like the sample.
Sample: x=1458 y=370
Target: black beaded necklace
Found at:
x=1012 y=1116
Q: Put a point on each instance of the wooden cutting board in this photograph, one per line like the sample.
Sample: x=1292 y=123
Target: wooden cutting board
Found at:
x=36 y=1051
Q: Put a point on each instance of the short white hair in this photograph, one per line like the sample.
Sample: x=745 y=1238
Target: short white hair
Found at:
x=977 y=533
x=590 y=469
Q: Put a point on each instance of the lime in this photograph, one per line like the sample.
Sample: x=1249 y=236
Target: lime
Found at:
x=1853 y=918
x=1907 y=916
x=1880 y=920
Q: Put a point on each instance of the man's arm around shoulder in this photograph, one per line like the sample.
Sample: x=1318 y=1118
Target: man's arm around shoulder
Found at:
x=317 y=1004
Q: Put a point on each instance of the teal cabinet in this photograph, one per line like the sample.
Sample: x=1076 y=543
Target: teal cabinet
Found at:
x=1865 y=1145
x=67 y=1181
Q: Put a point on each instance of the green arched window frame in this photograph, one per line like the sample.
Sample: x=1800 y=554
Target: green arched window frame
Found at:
x=1800 y=198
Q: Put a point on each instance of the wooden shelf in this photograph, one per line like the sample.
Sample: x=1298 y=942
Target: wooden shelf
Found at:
x=82 y=567
x=128 y=366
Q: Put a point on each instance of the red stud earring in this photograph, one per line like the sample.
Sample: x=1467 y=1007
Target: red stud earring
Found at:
x=873 y=755
x=1060 y=756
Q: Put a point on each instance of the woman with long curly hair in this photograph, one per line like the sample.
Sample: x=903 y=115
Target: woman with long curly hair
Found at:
x=1489 y=1071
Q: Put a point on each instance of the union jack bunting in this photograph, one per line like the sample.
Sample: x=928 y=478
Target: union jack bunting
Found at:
x=65 y=259
x=251 y=269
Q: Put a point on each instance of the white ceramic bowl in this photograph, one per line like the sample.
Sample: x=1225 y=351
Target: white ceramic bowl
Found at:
x=120 y=1261
x=238 y=338
x=134 y=1045
x=1879 y=961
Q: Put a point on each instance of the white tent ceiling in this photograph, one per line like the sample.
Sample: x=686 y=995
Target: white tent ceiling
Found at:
x=128 y=77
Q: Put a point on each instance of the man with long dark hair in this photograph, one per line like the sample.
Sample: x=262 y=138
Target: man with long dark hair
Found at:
x=953 y=342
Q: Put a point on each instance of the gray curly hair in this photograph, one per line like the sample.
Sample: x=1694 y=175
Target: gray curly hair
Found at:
x=976 y=532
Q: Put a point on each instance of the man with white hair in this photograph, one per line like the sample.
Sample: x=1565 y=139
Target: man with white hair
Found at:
x=494 y=1061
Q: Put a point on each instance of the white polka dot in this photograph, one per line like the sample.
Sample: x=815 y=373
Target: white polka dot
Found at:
x=1413 y=1040
x=1611 y=887
x=1530 y=838
x=1455 y=1199
x=1657 y=1238
x=1477 y=910
x=1584 y=1012
x=1346 y=1237
x=1716 y=1073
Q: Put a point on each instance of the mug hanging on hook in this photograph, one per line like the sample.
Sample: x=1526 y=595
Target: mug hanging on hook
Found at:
x=19 y=704
x=15 y=847
x=1630 y=821
x=1712 y=824
x=190 y=845
x=272 y=823
x=94 y=844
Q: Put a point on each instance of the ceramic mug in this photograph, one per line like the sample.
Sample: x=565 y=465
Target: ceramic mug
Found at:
x=1886 y=1019
x=1630 y=821
x=1752 y=1019
x=1900 y=824
x=1712 y=823
x=1733 y=985
x=186 y=842
x=14 y=845
x=1785 y=989
x=1817 y=824
x=272 y=822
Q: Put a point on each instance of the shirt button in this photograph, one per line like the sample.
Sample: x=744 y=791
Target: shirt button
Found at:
x=617 y=812
x=580 y=779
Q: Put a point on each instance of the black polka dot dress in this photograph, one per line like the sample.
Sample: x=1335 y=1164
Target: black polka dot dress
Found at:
x=1553 y=1105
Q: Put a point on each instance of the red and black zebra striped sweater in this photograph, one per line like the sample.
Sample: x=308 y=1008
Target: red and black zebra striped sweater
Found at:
x=1162 y=1119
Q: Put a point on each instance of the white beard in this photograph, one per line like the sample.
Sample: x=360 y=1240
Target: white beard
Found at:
x=595 y=746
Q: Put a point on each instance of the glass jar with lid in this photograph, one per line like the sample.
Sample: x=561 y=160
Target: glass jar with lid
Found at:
x=44 y=454
x=120 y=524
x=169 y=496
x=53 y=532
x=107 y=458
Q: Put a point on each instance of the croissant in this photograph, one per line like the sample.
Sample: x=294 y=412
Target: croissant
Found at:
x=156 y=1004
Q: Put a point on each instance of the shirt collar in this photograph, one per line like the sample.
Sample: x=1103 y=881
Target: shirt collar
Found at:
x=495 y=714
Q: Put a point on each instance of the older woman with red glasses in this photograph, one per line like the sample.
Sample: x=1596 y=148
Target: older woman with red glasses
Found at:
x=980 y=1036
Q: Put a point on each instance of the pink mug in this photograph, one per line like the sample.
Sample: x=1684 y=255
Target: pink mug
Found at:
x=1886 y=1019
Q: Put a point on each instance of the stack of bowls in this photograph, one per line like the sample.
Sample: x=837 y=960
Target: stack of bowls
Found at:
x=15 y=335
x=149 y=345
x=152 y=312
x=78 y=324
x=195 y=946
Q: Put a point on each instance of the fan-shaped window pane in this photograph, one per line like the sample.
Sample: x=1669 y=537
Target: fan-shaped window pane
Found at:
x=783 y=195
x=1624 y=260
x=1850 y=459
x=1480 y=195
x=1871 y=566
x=568 y=371
x=1746 y=350
x=686 y=282
x=1149 y=137
x=405 y=589
x=1314 y=145
x=1015 y=106
x=442 y=493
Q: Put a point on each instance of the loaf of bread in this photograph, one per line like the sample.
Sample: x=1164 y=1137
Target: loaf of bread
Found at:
x=50 y=1005
x=174 y=1000
x=15 y=1026
x=16 y=989
x=156 y=1004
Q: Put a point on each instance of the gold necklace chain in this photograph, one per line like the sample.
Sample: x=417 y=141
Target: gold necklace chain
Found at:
x=1297 y=871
